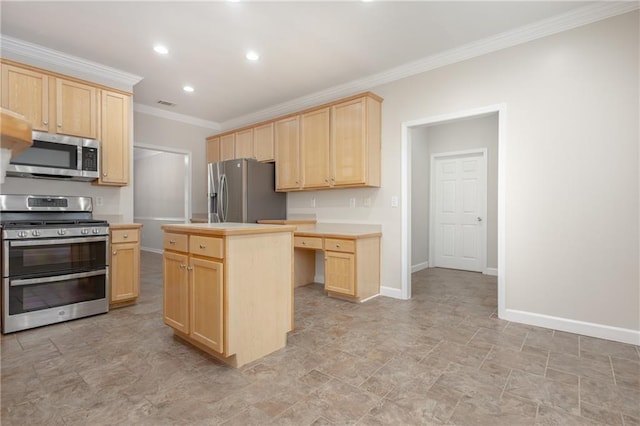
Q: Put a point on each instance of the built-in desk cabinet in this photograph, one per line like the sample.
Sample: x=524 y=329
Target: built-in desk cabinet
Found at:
x=124 y=273
x=351 y=263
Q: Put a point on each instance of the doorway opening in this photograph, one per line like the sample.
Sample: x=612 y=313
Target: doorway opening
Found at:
x=453 y=136
x=161 y=191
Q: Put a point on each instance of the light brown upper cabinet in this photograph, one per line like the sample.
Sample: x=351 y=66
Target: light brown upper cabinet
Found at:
x=26 y=92
x=263 y=142
x=336 y=145
x=244 y=144
x=213 y=150
x=76 y=109
x=114 y=138
x=287 y=142
x=51 y=104
x=228 y=147
x=355 y=142
x=314 y=148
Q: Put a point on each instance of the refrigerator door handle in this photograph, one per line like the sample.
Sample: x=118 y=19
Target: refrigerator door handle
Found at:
x=224 y=198
x=213 y=196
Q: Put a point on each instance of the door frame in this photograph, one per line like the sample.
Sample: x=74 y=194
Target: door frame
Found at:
x=405 y=186
x=432 y=201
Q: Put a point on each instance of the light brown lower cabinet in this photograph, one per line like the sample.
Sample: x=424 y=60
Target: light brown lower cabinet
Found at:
x=231 y=295
x=124 y=266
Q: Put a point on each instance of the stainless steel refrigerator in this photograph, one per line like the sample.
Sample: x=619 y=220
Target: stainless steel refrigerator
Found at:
x=243 y=190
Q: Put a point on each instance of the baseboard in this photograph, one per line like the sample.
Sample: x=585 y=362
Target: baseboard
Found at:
x=624 y=335
x=419 y=267
x=318 y=278
x=491 y=271
x=152 y=250
x=395 y=293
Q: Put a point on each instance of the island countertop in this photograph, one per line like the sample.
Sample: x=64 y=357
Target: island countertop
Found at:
x=227 y=228
x=340 y=230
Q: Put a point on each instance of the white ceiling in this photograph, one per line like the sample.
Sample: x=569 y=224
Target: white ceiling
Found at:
x=305 y=47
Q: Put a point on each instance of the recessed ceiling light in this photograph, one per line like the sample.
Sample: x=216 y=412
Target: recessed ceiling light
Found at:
x=188 y=89
x=160 y=49
x=252 y=56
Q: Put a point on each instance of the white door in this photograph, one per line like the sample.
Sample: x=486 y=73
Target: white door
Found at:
x=459 y=206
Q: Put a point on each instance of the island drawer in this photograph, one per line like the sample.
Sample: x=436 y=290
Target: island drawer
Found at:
x=124 y=236
x=308 y=242
x=206 y=246
x=178 y=242
x=347 y=246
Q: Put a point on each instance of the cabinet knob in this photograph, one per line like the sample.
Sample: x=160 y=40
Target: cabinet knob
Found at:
x=182 y=266
x=189 y=268
x=125 y=236
x=337 y=245
x=59 y=125
x=104 y=174
x=172 y=242
x=304 y=243
x=115 y=252
x=202 y=246
x=46 y=123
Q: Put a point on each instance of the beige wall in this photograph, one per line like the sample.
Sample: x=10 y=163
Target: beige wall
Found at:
x=572 y=181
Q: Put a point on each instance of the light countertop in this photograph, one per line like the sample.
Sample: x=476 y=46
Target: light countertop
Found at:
x=227 y=228
x=340 y=230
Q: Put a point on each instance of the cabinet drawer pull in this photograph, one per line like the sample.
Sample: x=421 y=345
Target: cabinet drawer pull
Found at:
x=337 y=245
x=172 y=242
x=304 y=243
x=202 y=246
x=125 y=236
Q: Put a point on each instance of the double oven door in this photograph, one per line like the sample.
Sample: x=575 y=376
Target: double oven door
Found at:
x=53 y=279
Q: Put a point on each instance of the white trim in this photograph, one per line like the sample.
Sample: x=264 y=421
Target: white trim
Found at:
x=432 y=200
x=188 y=172
x=157 y=112
x=392 y=292
x=60 y=59
x=618 y=334
x=318 y=278
x=366 y=299
x=405 y=152
x=419 y=267
x=556 y=24
x=152 y=250
x=491 y=271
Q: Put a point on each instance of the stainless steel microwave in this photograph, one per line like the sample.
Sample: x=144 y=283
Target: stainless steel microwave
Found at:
x=54 y=156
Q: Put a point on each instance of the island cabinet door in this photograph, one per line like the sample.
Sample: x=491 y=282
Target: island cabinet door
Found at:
x=339 y=273
x=176 y=291
x=207 y=303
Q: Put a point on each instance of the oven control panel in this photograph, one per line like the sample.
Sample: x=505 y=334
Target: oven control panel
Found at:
x=20 y=234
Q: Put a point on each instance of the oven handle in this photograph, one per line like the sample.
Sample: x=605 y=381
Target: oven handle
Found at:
x=48 y=242
x=44 y=280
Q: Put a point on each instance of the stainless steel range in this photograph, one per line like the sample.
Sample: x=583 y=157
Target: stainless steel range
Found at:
x=55 y=262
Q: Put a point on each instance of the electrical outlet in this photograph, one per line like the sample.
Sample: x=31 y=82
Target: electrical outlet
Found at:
x=99 y=201
x=313 y=202
x=352 y=202
x=366 y=201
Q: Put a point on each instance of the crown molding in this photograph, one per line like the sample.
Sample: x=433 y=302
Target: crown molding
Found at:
x=157 y=112
x=60 y=59
x=557 y=24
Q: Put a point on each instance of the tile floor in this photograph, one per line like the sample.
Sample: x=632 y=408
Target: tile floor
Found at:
x=441 y=358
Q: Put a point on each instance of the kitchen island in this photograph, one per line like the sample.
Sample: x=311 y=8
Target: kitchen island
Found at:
x=228 y=287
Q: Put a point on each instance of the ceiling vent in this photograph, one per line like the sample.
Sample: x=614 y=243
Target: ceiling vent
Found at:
x=166 y=103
